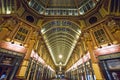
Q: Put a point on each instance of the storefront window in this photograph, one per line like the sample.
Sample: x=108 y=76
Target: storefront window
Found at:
x=28 y=68
x=39 y=72
x=9 y=64
x=32 y=72
x=114 y=64
x=110 y=65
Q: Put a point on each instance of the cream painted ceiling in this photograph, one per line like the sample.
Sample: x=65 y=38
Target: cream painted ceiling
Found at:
x=60 y=37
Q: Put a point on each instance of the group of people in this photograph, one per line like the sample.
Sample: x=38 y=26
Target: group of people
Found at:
x=3 y=76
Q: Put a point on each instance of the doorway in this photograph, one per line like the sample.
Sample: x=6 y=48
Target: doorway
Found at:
x=111 y=68
x=9 y=64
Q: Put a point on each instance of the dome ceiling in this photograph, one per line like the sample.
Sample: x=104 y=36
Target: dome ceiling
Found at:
x=62 y=7
x=59 y=3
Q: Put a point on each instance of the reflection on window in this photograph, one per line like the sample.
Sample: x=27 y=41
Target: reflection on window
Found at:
x=114 y=64
x=100 y=36
x=21 y=35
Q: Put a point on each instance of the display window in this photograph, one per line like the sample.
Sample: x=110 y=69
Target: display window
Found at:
x=110 y=66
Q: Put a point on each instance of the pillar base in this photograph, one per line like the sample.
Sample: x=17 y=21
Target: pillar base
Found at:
x=21 y=74
x=97 y=71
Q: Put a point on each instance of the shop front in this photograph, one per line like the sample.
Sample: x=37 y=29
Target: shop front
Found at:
x=109 y=61
x=9 y=63
x=110 y=65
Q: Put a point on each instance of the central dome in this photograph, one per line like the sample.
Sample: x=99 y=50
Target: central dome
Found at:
x=62 y=7
x=60 y=3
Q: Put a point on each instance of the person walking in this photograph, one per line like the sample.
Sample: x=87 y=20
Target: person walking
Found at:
x=3 y=76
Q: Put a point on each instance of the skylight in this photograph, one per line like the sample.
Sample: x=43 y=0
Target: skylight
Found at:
x=62 y=8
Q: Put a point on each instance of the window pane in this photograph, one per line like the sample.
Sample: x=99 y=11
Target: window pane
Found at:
x=21 y=35
x=88 y=6
x=100 y=36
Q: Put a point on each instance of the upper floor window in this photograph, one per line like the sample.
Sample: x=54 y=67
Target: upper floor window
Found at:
x=100 y=36
x=21 y=34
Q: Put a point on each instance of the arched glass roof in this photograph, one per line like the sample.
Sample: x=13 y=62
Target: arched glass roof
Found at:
x=60 y=37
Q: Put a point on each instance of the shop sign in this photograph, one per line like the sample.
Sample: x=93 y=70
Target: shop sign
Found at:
x=107 y=50
x=13 y=47
x=109 y=56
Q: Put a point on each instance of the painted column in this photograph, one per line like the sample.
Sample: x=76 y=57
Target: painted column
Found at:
x=3 y=33
x=95 y=65
x=24 y=66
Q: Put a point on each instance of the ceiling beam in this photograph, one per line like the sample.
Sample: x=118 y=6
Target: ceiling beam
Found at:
x=66 y=45
x=59 y=36
x=56 y=34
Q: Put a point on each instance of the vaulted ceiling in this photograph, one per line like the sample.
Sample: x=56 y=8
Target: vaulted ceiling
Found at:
x=60 y=37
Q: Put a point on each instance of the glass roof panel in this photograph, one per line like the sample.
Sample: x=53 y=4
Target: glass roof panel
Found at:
x=62 y=7
x=60 y=37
